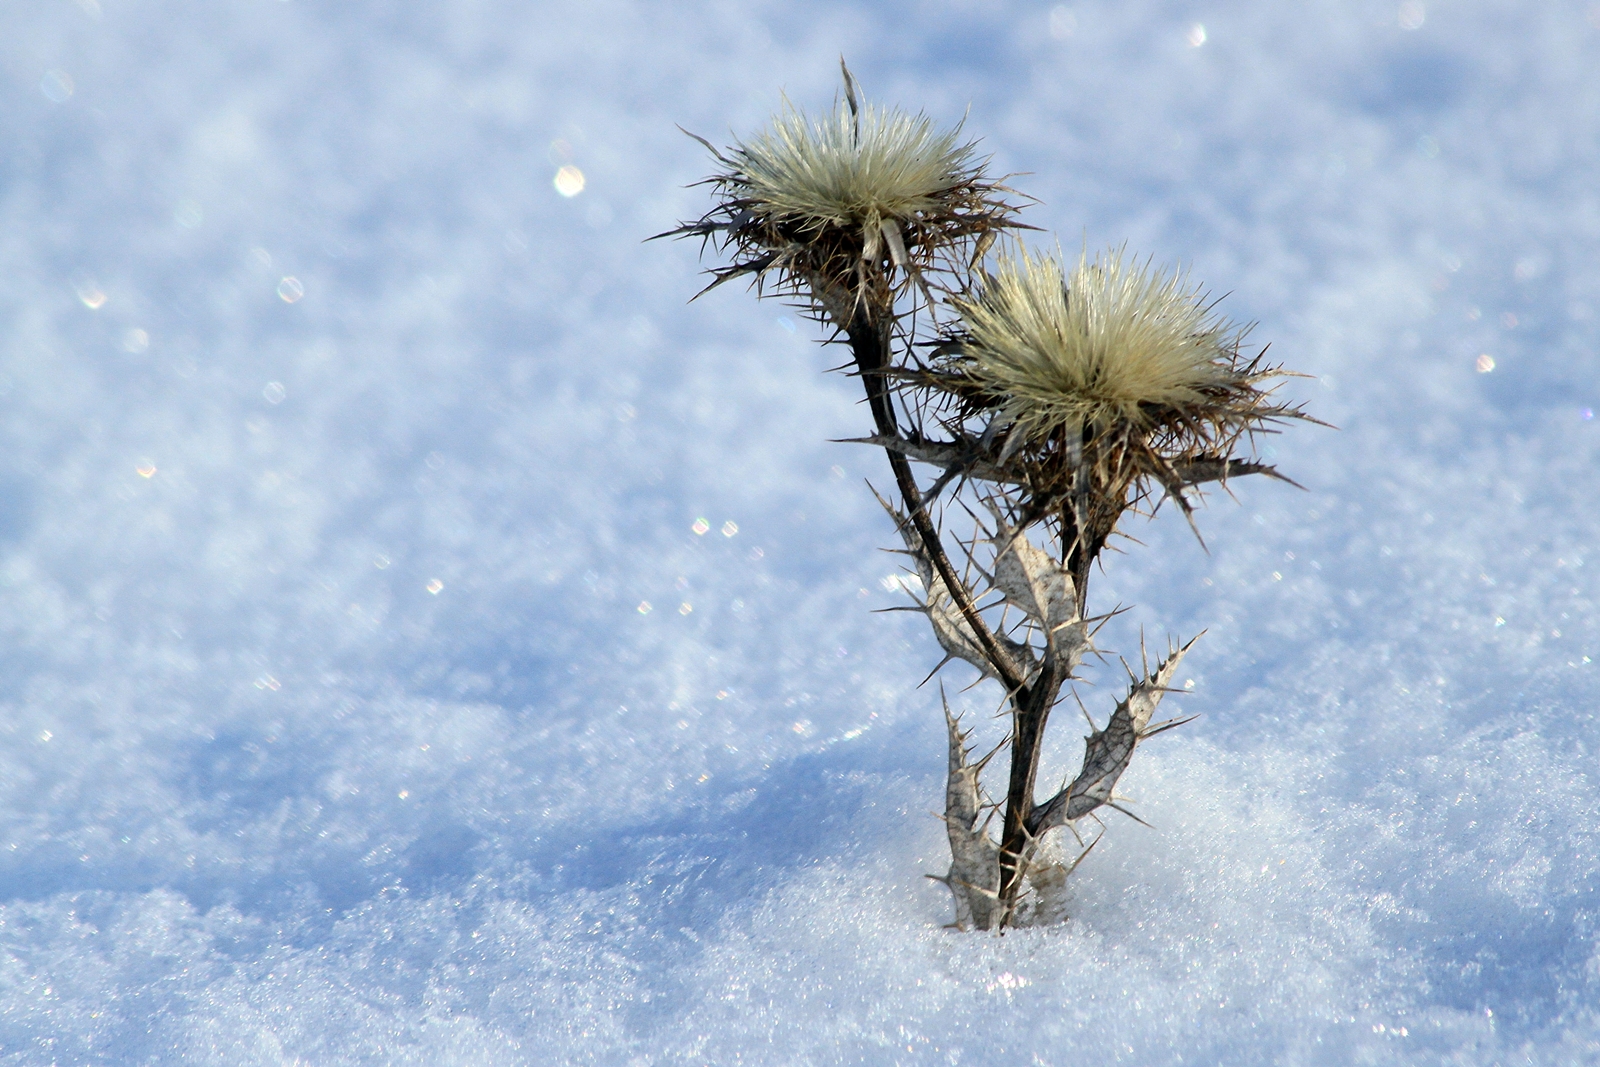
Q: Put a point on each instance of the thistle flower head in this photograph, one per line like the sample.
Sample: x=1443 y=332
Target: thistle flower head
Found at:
x=849 y=208
x=1089 y=386
x=1114 y=342
x=853 y=167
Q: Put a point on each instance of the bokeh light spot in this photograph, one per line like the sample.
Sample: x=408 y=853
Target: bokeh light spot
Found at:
x=57 y=87
x=700 y=527
x=1485 y=363
x=569 y=181
x=291 y=289
x=1196 y=35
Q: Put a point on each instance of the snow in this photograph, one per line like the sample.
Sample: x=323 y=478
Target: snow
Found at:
x=334 y=732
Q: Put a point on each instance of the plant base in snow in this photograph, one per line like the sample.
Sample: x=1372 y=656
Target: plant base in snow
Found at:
x=974 y=878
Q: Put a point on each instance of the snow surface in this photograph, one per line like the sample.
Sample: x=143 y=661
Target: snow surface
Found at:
x=334 y=734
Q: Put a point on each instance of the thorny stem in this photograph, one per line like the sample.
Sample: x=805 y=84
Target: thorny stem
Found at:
x=869 y=343
x=1031 y=704
x=1030 y=711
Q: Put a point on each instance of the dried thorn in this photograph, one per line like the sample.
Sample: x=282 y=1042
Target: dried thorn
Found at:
x=1272 y=472
x=937 y=668
x=984 y=762
x=980 y=680
x=990 y=893
x=1101 y=620
x=981 y=247
x=1129 y=814
x=1170 y=724
x=934 y=490
x=994 y=810
x=754 y=266
x=709 y=146
x=681 y=231
x=893 y=512
x=1086 y=717
x=1085 y=853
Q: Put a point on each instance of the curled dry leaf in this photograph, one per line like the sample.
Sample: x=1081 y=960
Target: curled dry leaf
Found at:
x=1040 y=587
x=974 y=878
x=1107 y=752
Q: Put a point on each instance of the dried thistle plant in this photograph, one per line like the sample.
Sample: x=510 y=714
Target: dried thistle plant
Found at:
x=1050 y=403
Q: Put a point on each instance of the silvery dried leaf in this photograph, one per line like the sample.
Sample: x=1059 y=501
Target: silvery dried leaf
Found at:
x=1022 y=655
x=950 y=626
x=1042 y=589
x=897 y=244
x=1107 y=752
x=940 y=454
x=871 y=242
x=974 y=878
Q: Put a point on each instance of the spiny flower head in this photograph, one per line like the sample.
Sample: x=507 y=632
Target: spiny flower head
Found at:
x=851 y=167
x=1113 y=342
x=1087 y=387
x=849 y=208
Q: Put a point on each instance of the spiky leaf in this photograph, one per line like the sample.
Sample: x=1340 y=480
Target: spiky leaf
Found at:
x=974 y=877
x=1107 y=752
